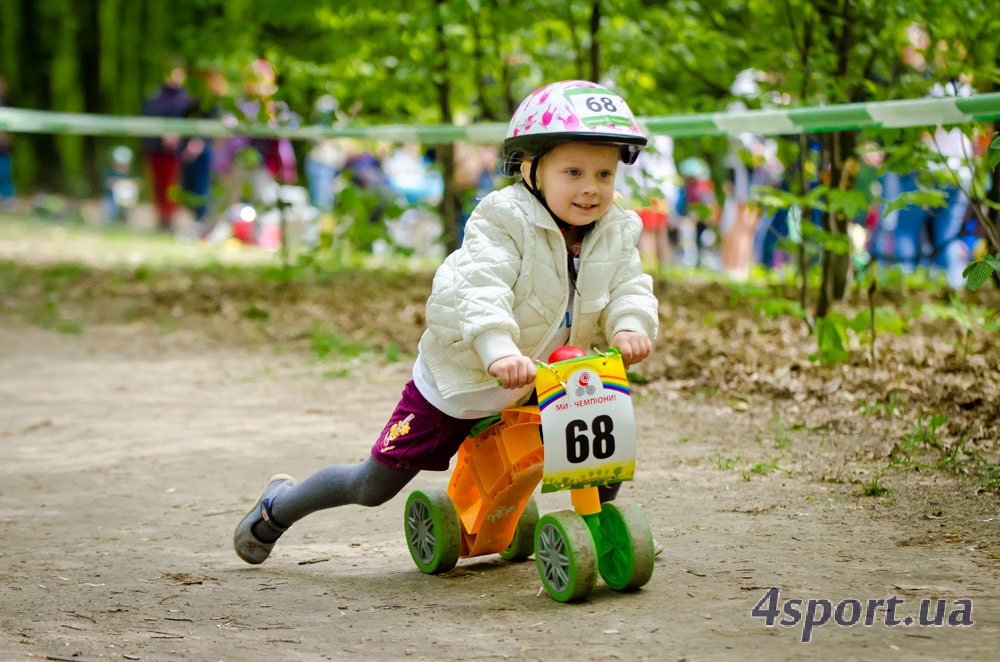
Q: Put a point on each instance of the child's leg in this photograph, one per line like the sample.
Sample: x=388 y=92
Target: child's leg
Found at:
x=283 y=502
x=416 y=437
x=369 y=483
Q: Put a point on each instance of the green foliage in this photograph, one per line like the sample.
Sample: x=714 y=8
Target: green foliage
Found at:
x=993 y=154
x=359 y=212
x=850 y=203
x=834 y=242
x=741 y=291
x=831 y=340
x=777 y=307
x=968 y=317
x=382 y=62
x=887 y=320
x=920 y=198
x=979 y=271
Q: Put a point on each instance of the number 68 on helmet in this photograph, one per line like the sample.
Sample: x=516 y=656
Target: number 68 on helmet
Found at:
x=570 y=111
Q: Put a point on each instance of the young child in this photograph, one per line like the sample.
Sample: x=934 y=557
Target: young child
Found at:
x=544 y=263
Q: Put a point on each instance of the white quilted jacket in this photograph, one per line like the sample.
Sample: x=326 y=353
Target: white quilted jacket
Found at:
x=506 y=290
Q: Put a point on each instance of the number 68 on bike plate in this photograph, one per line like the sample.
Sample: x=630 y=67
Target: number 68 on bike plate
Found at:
x=587 y=422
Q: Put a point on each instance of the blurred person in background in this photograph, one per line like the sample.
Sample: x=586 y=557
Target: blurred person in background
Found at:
x=921 y=234
x=326 y=158
x=652 y=186
x=197 y=153
x=254 y=168
x=121 y=188
x=751 y=162
x=698 y=214
x=7 y=199
x=162 y=154
x=258 y=105
x=477 y=172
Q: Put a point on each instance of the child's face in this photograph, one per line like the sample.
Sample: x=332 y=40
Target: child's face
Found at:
x=577 y=180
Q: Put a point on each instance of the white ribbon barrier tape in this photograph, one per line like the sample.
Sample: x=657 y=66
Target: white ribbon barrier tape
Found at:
x=887 y=114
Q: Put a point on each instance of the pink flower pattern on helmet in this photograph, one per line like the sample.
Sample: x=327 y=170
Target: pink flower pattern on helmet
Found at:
x=571 y=110
x=580 y=106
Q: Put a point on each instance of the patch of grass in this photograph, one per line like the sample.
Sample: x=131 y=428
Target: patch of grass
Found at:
x=874 y=488
x=392 y=353
x=990 y=478
x=763 y=469
x=705 y=393
x=328 y=343
x=256 y=313
x=49 y=317
x=829 y=476
x=924 y=434
x=890 y=407
x=58 y=277
x=989 y=474
x=779 y=431
x=725 y=464
x=166 y=323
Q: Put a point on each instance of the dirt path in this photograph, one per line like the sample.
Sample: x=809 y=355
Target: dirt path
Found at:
x=130 y=455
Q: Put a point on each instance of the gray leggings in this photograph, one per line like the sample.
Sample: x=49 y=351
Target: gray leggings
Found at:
x=368 y=483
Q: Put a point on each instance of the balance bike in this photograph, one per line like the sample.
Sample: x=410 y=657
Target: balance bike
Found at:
x=585 y=410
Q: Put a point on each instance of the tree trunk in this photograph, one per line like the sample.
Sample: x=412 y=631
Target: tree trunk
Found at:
x=487 y=113
x=595 y=44
x=450 y=204
x=837 y=19
x=803 y=258
x=67 y=93
x=838 y=147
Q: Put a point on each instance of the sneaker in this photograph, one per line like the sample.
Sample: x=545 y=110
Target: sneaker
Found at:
x=657 y=547
x=248 y=547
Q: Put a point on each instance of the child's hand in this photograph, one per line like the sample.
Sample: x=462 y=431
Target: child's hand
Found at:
x=635 y=346
x=513 y=371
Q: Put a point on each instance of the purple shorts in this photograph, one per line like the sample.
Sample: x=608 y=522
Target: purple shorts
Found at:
x=419 y=435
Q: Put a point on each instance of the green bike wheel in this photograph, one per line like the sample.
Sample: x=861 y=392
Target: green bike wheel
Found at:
x=523 y=544
x=626 y=555
x=432 y=531
x=565 y=555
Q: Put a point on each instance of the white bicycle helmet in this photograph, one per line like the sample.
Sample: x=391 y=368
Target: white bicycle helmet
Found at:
x=570 y=111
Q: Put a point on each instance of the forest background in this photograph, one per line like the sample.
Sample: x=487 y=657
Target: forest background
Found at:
x=462 y=61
